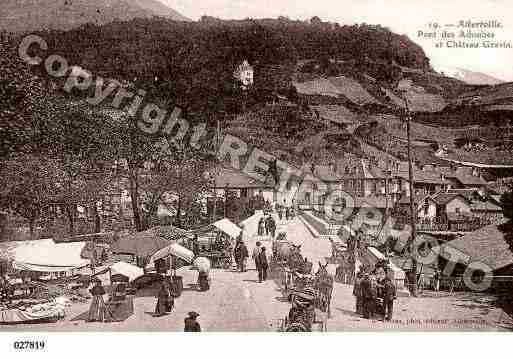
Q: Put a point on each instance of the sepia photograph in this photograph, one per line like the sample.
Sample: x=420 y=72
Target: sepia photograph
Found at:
x=236 y=166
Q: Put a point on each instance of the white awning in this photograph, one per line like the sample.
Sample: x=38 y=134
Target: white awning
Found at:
x=126 y=269
x=228 y=227
x=174 y=249
x=50 y=257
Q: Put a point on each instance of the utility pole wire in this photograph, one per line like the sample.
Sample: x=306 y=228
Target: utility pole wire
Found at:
x=413 y=252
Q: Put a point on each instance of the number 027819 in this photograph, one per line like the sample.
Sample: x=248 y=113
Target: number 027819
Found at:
x=29 y=345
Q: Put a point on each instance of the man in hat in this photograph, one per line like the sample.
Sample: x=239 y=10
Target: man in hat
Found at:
x=256 y=252
x=261 y=226
x=191 y=325
x=244 y=256
x=389 y=296
x=365 y=288
x=262 y=266
x=373 y=294
x=240 y=253
x=357 y=292
x=272 y=227
x=195 y=245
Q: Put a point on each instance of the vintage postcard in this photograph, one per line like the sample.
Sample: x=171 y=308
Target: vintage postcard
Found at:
x=255 y=166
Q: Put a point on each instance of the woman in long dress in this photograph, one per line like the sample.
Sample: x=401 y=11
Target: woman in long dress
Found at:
x=162 y=301
x=97 y=310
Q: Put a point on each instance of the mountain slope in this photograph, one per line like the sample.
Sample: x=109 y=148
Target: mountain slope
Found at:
x=32 y=15
x=159 y=9
x=470 y=77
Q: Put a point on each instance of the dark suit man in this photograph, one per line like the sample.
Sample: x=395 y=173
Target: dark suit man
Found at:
x=390 y=295
x=365 y=288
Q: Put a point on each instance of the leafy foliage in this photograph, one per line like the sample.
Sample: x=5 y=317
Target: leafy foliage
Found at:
x=507 y=205
x=20 y=92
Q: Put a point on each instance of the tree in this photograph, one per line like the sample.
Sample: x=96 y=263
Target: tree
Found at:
x=180 y=171
x=82 y=143
x=20 y=91
x=507 y=205
x=29 y=186
x=137 y=149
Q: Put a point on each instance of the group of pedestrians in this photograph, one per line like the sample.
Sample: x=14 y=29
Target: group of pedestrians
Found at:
x=367 y=289
x=286 y=212
x=261 y=264
x=267 y=226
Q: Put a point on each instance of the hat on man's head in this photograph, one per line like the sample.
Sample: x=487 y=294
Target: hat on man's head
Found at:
x=193 y=314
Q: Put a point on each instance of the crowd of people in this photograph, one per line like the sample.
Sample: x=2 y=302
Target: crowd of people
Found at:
x=285 y=211
x=375 y=293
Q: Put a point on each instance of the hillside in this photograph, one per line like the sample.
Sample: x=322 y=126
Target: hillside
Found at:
x=320 y=69
x=33 y=15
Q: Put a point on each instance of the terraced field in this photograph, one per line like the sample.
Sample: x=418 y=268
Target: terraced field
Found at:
x=353 y=90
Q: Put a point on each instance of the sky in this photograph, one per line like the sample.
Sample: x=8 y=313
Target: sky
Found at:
x=401 y=16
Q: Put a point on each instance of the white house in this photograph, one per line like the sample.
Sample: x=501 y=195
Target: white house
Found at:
x=244 y=73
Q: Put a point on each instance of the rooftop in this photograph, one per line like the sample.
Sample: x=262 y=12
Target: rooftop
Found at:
x=231 y=178
x=419 y=176
x=487 y=245
x=442 y=198
x=374 y=202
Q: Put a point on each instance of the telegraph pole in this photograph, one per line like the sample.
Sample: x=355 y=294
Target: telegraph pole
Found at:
x=413 y=219
x=217 y=144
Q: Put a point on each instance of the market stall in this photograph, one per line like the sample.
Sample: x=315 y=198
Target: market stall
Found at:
x=175 y=256
x=216 y=242
x=47 y=270
x=39 y=313
x=143 y=245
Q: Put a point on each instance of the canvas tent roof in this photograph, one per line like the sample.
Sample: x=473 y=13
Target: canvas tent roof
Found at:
x=128 y=270
x=174 y=249
x=142 y=246
x=224 y=225
x=8 y=250
x=50 y=257
x=149 y=242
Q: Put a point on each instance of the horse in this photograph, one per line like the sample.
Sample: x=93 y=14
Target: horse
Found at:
x=336 y=249
x=324 y=286
x=295 y=260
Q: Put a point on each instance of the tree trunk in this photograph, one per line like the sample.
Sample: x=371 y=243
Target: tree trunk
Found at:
x=97 y=219
x=134 y=196
x=71 y=218
x=179 y=213
x=32 y=224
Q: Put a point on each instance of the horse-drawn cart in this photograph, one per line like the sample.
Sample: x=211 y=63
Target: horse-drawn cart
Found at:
x=337 y=249
x=304 y=315
x=309 y=294
x=287 y=259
